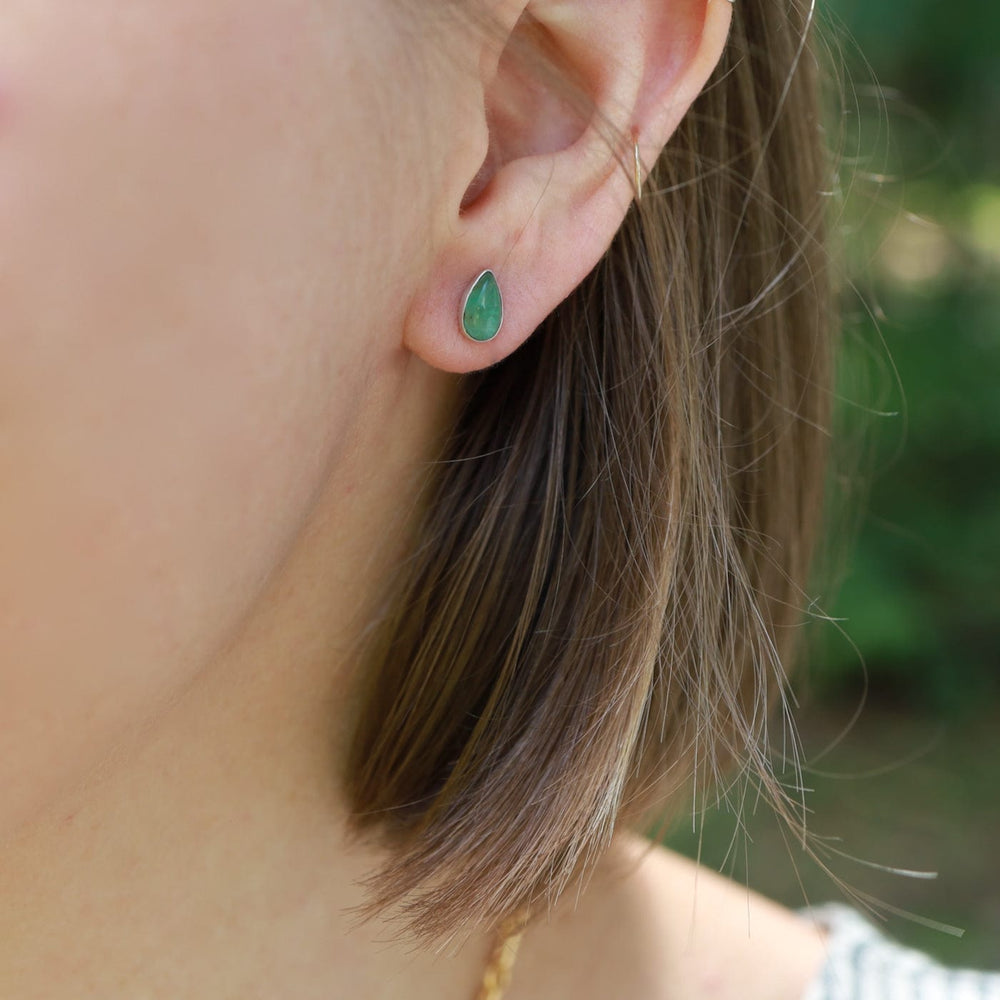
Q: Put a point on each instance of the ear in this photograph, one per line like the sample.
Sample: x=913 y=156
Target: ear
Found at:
x=546 y=202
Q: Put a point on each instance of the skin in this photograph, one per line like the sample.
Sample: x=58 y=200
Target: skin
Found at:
x=224 y=290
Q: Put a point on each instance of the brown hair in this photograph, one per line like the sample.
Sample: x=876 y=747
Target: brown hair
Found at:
x=604 y=591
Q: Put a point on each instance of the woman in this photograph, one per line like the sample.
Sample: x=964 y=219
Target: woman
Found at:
x=408 y=489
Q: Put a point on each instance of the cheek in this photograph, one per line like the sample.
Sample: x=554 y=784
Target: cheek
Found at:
x=170 y=391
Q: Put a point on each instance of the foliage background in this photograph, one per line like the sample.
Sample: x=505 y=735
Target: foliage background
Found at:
x=900 y=716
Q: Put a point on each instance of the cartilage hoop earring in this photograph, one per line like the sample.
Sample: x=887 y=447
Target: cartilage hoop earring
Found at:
x=481 y=312
x=637 y=179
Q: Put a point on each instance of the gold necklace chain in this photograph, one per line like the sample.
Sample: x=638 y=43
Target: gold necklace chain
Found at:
x=500 y=966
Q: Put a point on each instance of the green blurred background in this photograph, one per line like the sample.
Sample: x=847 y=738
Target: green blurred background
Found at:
x=900 y=714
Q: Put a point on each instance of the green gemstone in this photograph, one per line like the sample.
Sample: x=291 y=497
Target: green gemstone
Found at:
x=482 y=311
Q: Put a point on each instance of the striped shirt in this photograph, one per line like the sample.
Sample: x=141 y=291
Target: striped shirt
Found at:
x=864 y=964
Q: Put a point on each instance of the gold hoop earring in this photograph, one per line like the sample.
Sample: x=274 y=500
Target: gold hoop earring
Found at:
x=637 y=179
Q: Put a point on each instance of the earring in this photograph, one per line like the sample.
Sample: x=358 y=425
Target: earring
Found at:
x=637 y=178
x=481 y=313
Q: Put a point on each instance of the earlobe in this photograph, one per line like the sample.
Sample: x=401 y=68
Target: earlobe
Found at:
x=552 y=196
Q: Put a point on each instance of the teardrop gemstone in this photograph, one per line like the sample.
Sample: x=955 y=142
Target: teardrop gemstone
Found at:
x=482 y=310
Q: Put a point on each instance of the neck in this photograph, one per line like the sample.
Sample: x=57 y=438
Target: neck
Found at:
x=208 y=856
x=213 y=866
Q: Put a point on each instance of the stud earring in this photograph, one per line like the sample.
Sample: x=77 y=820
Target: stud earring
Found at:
x=481 y=313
